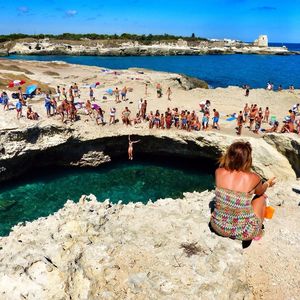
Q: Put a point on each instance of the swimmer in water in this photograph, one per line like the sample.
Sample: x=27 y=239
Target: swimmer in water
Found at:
x=130 y=147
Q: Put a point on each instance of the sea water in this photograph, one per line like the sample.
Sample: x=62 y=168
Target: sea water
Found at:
x=216 y=70
x=46 y=192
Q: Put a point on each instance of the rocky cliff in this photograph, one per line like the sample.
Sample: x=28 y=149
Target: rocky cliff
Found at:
x=99 y=250
x=101 y=48
x=94 y=250
x=22 y=149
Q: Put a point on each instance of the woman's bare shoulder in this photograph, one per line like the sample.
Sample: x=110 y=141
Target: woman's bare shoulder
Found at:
x=253 y=177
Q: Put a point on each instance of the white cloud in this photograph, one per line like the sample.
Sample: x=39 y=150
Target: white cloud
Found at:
x=71 y=12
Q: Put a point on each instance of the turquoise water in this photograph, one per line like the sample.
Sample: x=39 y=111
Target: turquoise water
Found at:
x=28 y=199
x=216 y=70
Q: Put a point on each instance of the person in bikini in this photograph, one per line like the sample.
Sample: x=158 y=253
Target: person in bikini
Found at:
x=126 y=116
x=88 y=108
x=112 y=115
x=150 y=118
x=258 y=121
x=252 y=118
x=157 y=119
x=169 y=93
x=162 y=121
x=274 y=128
x=130 y=147
x=31 y=115
x=239 y=123
x=266 y=115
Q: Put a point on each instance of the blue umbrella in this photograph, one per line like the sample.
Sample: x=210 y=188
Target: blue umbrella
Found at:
x=30 y=89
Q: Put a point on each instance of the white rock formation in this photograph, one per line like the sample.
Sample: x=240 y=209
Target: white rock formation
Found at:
x=134 y=48
x=93 y=250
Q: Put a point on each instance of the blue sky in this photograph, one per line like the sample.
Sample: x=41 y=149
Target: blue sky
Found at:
x=236 y=19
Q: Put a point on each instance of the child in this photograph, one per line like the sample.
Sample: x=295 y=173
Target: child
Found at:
x=19 y=108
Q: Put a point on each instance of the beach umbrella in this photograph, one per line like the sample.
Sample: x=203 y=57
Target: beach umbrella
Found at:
x=14 y=83
x=30 y=89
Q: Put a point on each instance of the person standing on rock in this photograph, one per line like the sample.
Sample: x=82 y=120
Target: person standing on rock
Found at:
x=240 y=201
x=112 y=115
x=48 y=105
x=124 y=93
x=130 y=147
x=158 y=90
x=216 y=119
x=117 y=95
x=240 y=122
x=19 y=106
x=58 y=91
x=169 y=93
x=91 y=94
x=140 y=105
x=76 y=90
x=64 y=93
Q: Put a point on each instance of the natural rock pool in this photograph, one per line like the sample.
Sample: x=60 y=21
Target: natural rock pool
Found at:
x=43 y=193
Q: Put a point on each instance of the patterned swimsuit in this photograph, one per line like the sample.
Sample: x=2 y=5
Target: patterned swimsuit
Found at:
x=234 y=216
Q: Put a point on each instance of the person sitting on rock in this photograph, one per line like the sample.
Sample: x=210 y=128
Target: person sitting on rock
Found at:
x=240 y=195
x=31 y=115
x=274 y=128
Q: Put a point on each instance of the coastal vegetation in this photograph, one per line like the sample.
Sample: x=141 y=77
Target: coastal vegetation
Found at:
x=146 y=39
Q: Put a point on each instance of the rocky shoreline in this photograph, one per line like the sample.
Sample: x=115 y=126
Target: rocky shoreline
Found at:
x=102 y=48
x=162 y=250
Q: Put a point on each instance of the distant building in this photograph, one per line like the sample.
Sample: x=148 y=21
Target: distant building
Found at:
x=262 y=41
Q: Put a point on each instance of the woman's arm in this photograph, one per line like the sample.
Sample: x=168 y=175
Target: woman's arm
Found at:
x=262 y=187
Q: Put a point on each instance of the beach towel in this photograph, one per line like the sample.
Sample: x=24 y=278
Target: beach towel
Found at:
x=231 y=119
x=95 y=106
x=109 y=91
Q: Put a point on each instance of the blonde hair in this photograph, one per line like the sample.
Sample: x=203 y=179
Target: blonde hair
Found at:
x=238 y=157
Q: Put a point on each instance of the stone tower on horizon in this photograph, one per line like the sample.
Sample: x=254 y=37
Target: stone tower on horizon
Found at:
x=262 y=41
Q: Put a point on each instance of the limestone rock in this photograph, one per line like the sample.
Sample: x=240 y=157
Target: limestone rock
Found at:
x=94 y=250
x=64 y=146
x=287 y=145
x=46 y=47
x=91 y=159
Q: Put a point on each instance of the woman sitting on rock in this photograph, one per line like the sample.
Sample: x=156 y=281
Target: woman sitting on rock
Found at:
x=31 y=115
x=238 y=214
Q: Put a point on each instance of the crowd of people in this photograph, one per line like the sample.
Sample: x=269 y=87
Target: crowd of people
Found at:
x=63 y=104
x=253 y=117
